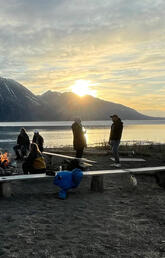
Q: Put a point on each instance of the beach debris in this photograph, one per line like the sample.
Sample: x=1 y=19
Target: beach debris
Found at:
x=133 y=180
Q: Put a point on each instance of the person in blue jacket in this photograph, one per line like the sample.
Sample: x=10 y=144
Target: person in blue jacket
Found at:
x=67 y=180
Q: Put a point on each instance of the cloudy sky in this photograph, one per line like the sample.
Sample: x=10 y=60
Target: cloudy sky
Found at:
x=116 y=45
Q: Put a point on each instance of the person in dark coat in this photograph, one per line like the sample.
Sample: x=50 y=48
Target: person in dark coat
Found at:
x=35 y=162
x=23 y=144
x=37 y=138
x=79 y=140
x=115 y=136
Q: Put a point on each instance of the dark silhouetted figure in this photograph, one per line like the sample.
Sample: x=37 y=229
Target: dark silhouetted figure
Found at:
x=23 y=144
x=79 y=140
x=37 y=138
x=115 y=136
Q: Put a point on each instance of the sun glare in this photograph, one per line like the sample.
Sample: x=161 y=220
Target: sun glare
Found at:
x=82 y=88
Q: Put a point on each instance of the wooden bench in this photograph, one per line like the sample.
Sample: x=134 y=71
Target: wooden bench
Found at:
x=5 y=182
x=96 y=181
x=68 y=157
x=55 y=159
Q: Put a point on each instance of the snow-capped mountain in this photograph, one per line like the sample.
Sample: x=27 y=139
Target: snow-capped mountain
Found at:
x=17 y=103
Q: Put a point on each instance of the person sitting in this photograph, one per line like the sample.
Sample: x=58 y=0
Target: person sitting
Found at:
x=35 y=162
x=23 y=144
x=37 y=138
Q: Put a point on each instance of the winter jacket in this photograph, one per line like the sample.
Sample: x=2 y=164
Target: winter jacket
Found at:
x=79 y=141
x=36 y=161
x=67 y=180
x=38 y=139
x=116 y=130
x=23 y=139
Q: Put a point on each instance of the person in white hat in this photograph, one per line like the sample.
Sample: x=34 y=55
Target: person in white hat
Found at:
x=38 y=139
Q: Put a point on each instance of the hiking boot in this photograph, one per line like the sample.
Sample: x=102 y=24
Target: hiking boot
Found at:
x=116 y=165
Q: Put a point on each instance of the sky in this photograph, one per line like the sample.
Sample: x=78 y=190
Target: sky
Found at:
x=116 y=46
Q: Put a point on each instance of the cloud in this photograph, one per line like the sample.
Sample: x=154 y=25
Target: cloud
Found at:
x=118 y=44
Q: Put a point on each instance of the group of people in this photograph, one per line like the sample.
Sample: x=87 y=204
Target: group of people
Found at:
x=35 y=163
x=79 y=140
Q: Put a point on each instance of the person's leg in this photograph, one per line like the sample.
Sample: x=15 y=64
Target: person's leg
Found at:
x=16 y=148
x=115 y=146
x=25 y=168
x=41 y=148
x=79 y=153
x=23 y=151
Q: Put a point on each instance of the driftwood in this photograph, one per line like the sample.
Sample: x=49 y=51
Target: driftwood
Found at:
x=5 y=189
x=97 y=184
x=160 y=178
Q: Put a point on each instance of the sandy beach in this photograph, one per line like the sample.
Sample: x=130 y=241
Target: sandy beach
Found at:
x=116 y=223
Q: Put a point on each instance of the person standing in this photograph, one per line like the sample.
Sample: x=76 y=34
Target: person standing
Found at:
x=79 y=140
x=38 y=139
x=114 y=138
x=23 y=144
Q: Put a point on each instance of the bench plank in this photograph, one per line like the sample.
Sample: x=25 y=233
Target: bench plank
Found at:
x=97 y=178
x=87 y=173
x=22 y=177
x=129 y=159
x=68 y=157
x=146 y=169
x=122 y=171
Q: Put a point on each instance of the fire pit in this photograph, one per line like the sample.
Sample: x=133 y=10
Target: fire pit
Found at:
x=6 y=165
x=4 y=161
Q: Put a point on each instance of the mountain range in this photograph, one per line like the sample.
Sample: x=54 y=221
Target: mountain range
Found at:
x=17 y=103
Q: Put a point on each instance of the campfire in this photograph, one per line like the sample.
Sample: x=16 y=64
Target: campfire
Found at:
x=4 y=160
x=7 y=165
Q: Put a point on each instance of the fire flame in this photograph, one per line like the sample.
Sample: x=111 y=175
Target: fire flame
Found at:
x=4 y=159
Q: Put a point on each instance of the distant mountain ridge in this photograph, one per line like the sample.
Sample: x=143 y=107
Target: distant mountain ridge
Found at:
x=17 y=103
x=69 y=105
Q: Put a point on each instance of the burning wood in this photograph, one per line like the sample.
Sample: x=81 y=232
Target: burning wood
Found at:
x=7 y=166
x=4 y=160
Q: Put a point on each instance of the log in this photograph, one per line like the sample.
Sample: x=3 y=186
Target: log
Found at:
x=160 y=178
x=5 y=189
x=97 y=184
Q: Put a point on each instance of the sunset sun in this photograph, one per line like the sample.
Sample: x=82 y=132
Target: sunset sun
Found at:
x=82 y=88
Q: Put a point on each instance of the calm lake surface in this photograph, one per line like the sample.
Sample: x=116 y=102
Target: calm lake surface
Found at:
x=59 y=134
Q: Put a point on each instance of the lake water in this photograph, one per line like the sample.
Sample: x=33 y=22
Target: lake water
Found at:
x=59 y=134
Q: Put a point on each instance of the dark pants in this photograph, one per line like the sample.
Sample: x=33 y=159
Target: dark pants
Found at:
x=40 y=148
x=23 y=150
x=115 y=147
x=29 y=169
x=79 y=153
